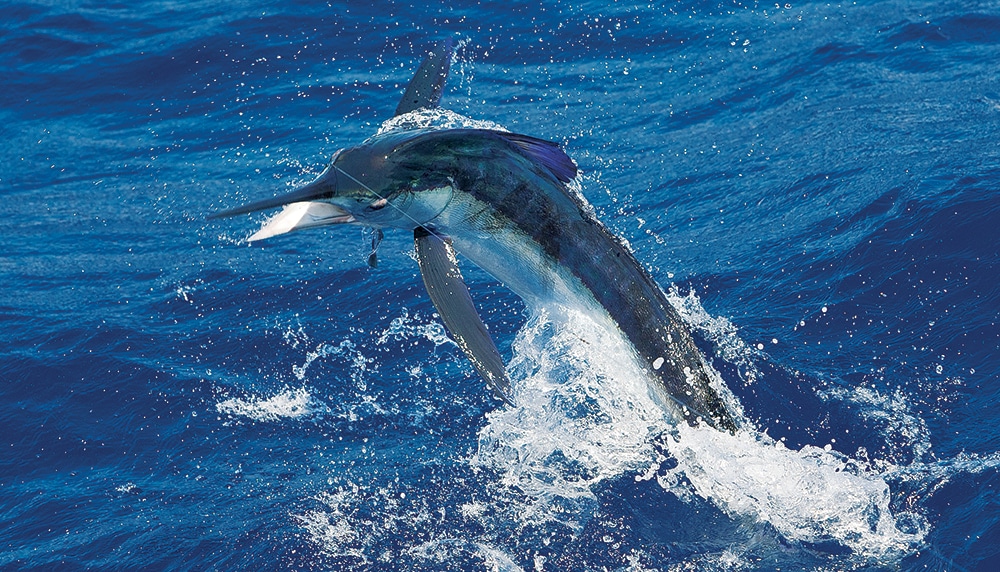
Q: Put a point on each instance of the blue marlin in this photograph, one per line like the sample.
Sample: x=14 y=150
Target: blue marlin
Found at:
x=505 y=202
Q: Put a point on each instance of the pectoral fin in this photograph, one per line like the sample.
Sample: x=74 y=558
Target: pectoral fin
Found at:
x=450 y=295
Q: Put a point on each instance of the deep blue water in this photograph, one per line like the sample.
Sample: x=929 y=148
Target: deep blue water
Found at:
x=815 y=183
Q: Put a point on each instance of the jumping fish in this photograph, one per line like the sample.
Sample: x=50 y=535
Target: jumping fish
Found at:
x=504 y=201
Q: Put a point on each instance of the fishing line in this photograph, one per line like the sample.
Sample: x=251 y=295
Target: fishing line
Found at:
x=388 y=202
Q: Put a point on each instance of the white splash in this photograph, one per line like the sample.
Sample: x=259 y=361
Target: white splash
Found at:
x=127 y=488
x=186 y=291
x=346 y=347
x=333 y=529
x=406 y=327
x=906 y=434
x=436 y=119
x=932 y=476
x=720 y=331
x=449 y=550
x=584 y=415
x=357 y=521
x=813 y=495
x=289 y=404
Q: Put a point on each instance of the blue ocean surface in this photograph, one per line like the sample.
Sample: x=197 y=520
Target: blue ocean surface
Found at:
x=816 y=186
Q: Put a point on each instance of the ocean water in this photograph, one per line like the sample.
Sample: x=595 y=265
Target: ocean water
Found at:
x=815 y=185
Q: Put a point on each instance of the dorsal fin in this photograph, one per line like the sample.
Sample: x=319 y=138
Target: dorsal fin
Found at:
x=427 y=85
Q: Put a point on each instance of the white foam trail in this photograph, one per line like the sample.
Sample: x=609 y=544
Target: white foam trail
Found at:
x=289 y=404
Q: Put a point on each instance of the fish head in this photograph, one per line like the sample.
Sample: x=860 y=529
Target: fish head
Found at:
x=381 y=187
x=365 y=185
